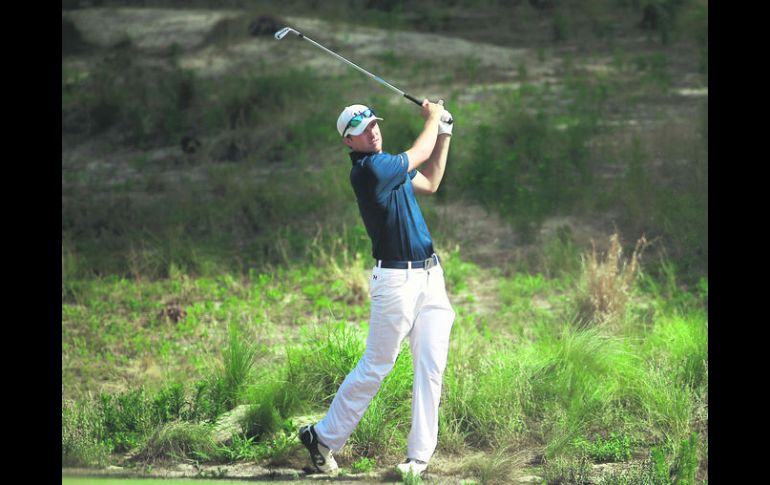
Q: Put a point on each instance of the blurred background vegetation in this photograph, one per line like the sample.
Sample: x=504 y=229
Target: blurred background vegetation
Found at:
x=164 y=165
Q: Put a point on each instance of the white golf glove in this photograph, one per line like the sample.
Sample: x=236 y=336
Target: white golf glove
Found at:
x=445 y=128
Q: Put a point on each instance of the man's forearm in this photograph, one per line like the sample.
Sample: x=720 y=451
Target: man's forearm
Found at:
x=420 y=153
x=433 y=169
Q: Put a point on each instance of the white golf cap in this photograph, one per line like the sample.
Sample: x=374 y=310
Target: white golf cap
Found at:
x=349 y=113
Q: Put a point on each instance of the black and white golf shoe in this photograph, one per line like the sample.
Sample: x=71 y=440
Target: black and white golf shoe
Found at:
x=412 y=467
x=320 y=455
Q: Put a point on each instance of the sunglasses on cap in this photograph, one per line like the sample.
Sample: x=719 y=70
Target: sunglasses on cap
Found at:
x=358 y=118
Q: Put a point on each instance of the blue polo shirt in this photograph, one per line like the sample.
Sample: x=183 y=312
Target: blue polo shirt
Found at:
x=392 y=217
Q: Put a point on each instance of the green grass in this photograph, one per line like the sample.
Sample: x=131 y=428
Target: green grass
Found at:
x=363 y=465
x=412 y=479
x=666 y=465
x=567 y=471
x=566 y=390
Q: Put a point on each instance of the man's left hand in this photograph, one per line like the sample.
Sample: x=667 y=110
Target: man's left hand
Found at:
x=445 y=128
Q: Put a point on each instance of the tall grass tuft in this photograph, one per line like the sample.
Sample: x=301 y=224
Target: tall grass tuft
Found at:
x=238 y=362
x=577 y=375
x=496 y=468
x=485 y=401
x=226 y=381
x=272 y=400
x=679 y=344
x=607 y=283
x=320 y=364
x=664 y=408
x=179 y=441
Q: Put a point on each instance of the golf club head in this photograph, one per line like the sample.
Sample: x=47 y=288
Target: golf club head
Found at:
x=282 y=33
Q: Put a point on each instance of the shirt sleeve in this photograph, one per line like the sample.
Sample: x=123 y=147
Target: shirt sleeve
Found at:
x=413 y=173
x=390 y=170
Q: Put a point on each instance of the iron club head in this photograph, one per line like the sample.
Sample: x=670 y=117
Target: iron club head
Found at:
x=282 y=33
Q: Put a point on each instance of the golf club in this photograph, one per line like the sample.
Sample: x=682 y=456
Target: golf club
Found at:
x=284 y=31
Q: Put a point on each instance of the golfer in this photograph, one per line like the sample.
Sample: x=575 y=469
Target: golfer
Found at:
x=408 y=294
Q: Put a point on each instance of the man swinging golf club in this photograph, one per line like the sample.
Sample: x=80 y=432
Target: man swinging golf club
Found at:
x=408 y=294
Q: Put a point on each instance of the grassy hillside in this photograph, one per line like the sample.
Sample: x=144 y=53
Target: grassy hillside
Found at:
x=611 y=142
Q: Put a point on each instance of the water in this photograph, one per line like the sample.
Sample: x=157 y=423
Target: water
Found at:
x=151 y=481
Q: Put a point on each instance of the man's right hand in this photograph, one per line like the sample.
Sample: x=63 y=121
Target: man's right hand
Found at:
x=426 y=140
x=430 y=111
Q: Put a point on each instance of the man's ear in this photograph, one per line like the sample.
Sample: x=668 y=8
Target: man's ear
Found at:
x=348 y=141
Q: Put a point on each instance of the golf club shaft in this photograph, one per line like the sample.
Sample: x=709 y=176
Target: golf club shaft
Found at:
x=282 y=33
x=376 y=78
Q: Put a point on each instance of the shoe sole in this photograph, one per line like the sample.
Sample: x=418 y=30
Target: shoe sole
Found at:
x=403 y=473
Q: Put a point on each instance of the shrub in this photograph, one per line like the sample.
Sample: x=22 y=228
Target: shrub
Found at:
x=530 y=162
x=146 y=104
x=616 y=448
x=560 y=27
x=169 y=403
x=208 y=402
x=222 y=388
x=412 y=478
x=127 y=418
x=607 y=283
x=81 y=434
x=239 y=449
x=664 y=406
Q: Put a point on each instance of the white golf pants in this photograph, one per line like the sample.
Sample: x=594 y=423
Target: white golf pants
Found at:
x=405 y=302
